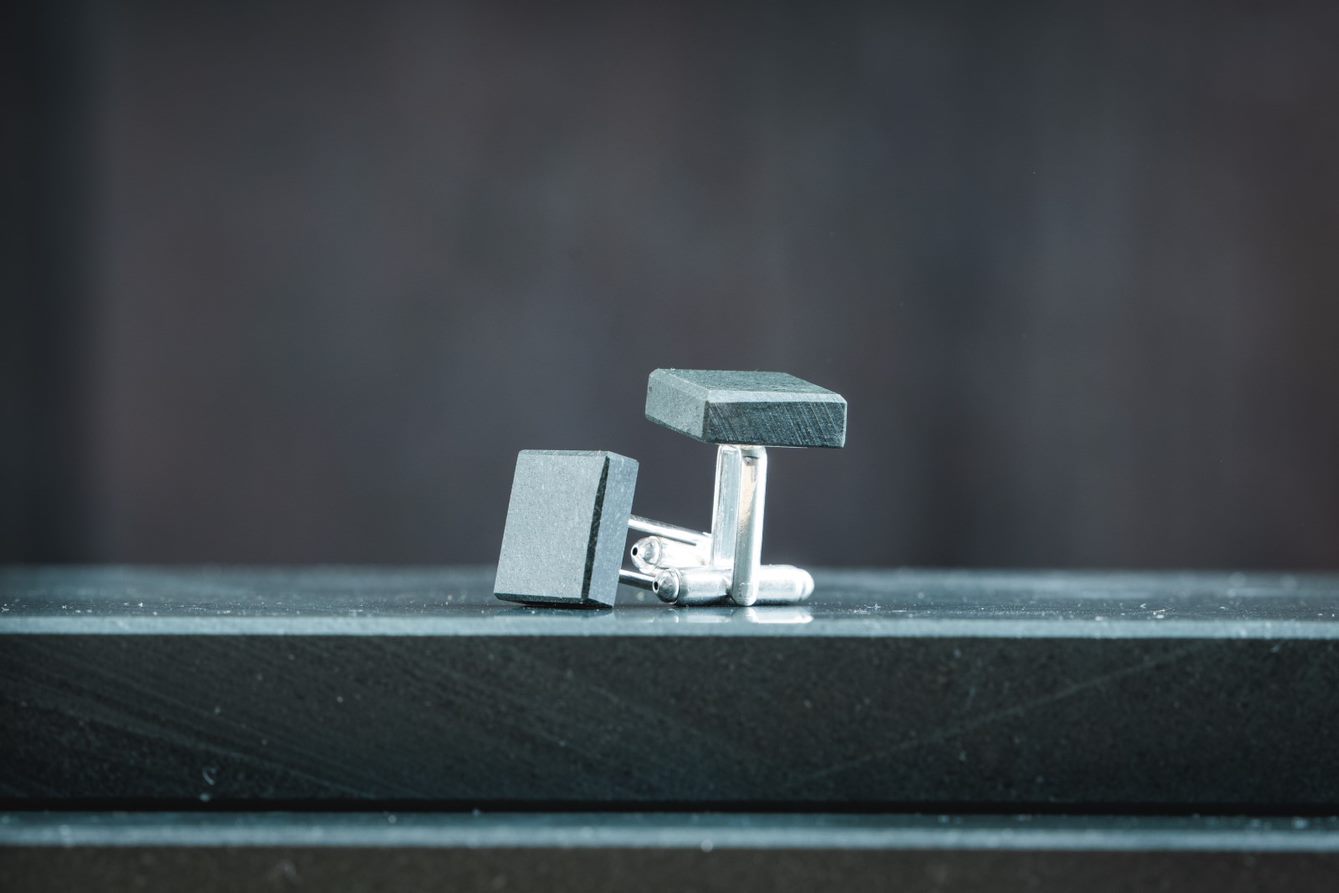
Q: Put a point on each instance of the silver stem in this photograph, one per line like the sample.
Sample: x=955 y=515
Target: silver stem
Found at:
x=669 y=531
x=725 y=506
x=748 y=537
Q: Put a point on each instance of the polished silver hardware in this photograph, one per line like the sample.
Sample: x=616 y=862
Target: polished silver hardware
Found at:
x=565 y=506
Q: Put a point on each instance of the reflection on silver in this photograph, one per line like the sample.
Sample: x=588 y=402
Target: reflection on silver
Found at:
x=789 y=614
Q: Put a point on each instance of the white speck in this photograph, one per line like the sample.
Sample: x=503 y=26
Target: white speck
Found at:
x=204 y=797
x=286 y=870
x=391 y=819
x=209 y=774
x=1300 y=823
x=217 y=710
x=708 y=846
x=339 y=699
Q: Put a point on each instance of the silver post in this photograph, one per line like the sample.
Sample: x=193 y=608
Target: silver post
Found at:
x=725 y=506
x=748 y=538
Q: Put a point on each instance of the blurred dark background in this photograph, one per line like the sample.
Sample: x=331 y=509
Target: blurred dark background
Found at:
x=293 y=282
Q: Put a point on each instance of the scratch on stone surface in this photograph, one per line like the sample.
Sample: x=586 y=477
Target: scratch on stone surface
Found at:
x=986 y=719
x=144 y=710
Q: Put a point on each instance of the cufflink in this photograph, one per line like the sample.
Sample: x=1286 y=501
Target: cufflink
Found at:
x=570 y=511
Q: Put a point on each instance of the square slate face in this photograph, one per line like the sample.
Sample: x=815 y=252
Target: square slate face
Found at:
x=566 y=525
x=770 y=409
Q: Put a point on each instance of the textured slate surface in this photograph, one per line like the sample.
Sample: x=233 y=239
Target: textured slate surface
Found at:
x=585 y=852
x=770 y=409
x=890 y=690
x=567 y=521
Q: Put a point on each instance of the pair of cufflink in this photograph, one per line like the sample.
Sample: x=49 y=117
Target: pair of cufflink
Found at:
x=570 y=511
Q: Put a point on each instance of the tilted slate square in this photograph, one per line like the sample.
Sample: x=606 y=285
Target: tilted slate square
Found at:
x=566 y=526
x=770 y=409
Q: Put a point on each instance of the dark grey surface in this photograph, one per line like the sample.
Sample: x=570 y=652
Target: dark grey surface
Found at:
x=670 y=852
x=567 y=520
x=892 y=689
x=770 y=409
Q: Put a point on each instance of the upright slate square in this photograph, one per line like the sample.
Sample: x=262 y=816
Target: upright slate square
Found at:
x=566 y=526
x=769 y=409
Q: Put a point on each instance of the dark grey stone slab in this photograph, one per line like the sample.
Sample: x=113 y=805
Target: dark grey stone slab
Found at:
x=567 y=522
x=770 y=409
x=890 y=690
x=591 y=852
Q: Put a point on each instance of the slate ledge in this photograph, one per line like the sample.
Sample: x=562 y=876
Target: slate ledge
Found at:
x=895 y=691
x=659 y=831
x=336 y=601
